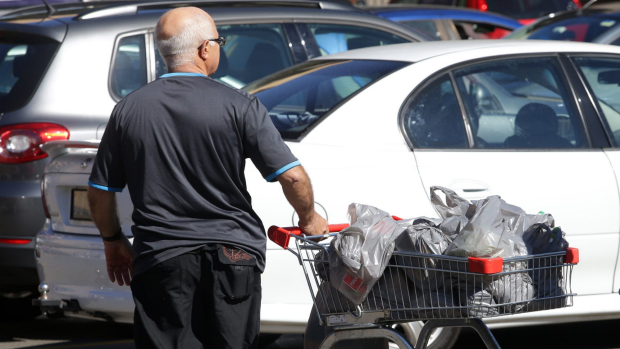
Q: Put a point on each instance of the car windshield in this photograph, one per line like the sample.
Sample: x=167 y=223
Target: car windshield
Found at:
x=23 y=61
x=526 y=9
x=578 y=28
x=300 y=96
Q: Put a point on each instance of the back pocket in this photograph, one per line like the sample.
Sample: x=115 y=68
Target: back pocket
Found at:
x=235 y=272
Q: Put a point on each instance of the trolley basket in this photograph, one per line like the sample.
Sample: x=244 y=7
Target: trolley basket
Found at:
x=442 y=290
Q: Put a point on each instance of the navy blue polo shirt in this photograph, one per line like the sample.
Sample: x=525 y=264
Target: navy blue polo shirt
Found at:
x=180 y=144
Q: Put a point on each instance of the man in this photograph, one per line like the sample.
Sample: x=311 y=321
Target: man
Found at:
x=180 y=144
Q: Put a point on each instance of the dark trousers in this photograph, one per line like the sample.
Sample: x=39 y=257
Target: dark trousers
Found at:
x=208 y=298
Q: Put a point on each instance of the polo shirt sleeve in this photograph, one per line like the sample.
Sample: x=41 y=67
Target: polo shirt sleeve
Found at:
x=264 y=145
x=108 y=171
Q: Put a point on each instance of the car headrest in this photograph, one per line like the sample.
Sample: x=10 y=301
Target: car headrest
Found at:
x=362 y=42
x=264 y=60
x=536 y=119
x=222 y=68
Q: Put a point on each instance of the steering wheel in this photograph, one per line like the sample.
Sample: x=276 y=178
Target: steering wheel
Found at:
x=299 y=118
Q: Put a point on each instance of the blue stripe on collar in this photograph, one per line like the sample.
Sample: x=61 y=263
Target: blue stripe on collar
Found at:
x=181 y=74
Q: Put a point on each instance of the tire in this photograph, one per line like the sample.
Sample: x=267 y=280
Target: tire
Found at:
x=441 y=338
x=18 y=309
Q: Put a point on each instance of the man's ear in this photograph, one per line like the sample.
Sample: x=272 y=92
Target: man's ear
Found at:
x=204 y=50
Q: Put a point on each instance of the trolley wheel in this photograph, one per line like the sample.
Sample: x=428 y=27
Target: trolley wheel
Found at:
x=441 y=338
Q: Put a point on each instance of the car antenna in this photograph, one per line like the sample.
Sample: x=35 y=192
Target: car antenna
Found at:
x=50 y=9
x=580 y=11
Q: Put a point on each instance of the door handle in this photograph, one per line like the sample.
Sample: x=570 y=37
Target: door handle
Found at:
x=470 y=189
x=474 y=190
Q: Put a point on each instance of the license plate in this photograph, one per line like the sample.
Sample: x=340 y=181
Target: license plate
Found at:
x=79 y=205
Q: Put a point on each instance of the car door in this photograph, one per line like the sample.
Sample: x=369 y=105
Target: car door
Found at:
x=513 y=127
x=601 y=76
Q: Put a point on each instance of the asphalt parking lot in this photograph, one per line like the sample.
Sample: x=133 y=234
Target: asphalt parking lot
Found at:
x=77 y=333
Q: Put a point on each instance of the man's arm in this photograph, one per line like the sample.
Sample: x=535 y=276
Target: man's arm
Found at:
x=118 y=254
x=298 y=191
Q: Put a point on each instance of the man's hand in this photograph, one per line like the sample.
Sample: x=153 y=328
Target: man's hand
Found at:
x=315 y=226
x=119 y=260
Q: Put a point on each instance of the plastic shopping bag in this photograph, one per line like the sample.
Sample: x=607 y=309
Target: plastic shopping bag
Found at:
x=455 y=212
x=548 y=282
x=359 y=254
x=423 y=236
x=495 y=229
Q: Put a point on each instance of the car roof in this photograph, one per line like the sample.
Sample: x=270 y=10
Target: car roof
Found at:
x=93 y=9
x=424 y=50
x=413 y=12
x=142 y=14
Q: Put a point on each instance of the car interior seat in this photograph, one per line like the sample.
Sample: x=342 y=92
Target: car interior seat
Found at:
x=436 y=121
x=263 y=60
x=362 y=42
x=124 y=77
x=24 y=68
x=536 y=126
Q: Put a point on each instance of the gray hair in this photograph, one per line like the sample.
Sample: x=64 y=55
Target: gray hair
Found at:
x=181 y=49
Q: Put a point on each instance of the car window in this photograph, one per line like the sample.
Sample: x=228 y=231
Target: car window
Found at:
x=580 y=28
x=475 y=30
x=298 y=97
x=427 y=27
x=519 y=103
x=433 y=119
x=23 y=61
x=129 y=66
x=603 y=77
x=334 y=38
x=252 y=51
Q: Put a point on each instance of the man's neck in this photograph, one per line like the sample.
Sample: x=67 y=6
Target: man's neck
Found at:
x=188 y=68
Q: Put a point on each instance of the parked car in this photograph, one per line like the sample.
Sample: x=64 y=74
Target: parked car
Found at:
x=60 y=78
x=526 y=11
x=379 y=127
x=449 y=23
x=597 y=23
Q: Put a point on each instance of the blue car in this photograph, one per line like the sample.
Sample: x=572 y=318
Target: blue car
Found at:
x=449 y=23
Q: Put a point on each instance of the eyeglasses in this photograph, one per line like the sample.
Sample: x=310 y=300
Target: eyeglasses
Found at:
x=220 y=41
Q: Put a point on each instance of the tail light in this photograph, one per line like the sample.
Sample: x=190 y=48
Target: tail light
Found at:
x=45 y=210
x=478 y=4
x=20 y=143
x=577 y=3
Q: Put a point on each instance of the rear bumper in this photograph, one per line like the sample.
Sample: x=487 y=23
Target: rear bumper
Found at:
x=18 y=271
x=74 y=268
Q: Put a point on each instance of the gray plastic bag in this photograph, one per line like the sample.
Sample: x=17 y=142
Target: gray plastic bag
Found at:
x=495 y=229
x=455 y=212
x=423 y=236
x=359 y=254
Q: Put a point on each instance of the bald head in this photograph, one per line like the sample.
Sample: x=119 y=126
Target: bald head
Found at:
x=180 y=31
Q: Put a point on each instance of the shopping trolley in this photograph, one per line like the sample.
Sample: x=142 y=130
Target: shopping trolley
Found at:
x=442 y=290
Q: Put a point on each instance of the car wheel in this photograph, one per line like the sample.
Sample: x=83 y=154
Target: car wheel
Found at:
x=18 y=308
x=441 y=338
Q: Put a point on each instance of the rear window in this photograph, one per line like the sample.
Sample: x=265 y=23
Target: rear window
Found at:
x=23 y=61
x=584 y=29
x=299 y=97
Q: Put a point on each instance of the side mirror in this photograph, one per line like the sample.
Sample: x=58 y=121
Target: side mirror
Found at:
x=610 y=77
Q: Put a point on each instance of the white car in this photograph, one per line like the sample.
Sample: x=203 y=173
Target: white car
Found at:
x=379 y=126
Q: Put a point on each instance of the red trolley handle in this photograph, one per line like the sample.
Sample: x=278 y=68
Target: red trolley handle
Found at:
x=282 y=236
